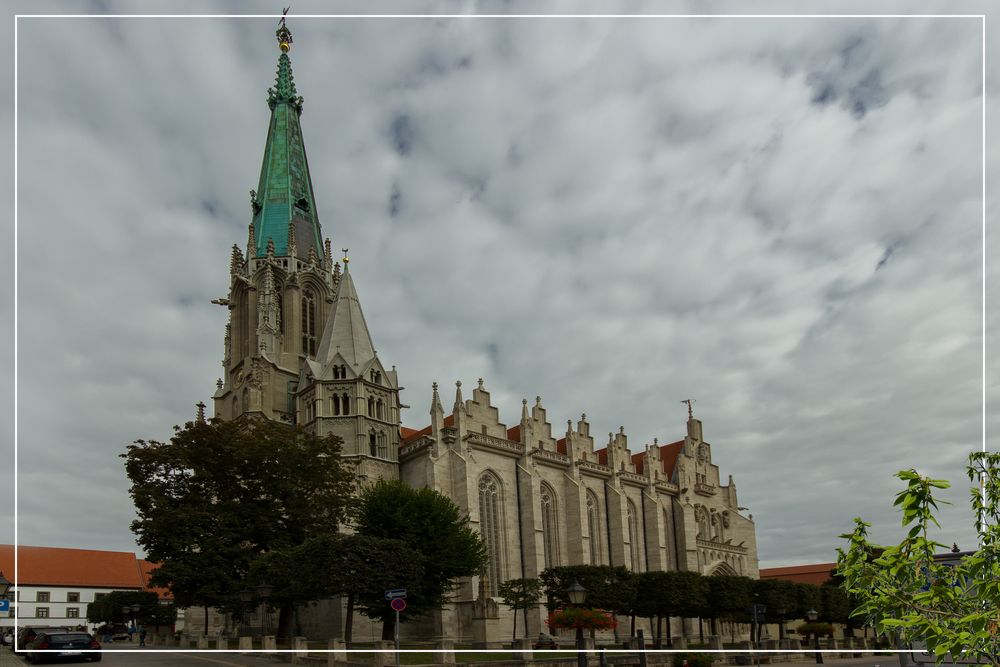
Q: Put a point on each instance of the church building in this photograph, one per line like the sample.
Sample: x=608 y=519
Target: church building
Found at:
x=298 y=350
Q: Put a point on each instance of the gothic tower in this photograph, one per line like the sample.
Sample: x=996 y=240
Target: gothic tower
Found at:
x=297 y=348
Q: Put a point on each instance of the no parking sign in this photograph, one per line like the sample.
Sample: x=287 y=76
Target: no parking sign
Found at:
x=398 y=604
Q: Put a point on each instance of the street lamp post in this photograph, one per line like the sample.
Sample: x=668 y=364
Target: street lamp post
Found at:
x=812 y=616
x=577 y=596
x=781 y=628
x=264 y=592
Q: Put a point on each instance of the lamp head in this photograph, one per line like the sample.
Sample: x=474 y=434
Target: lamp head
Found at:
x=577 y=593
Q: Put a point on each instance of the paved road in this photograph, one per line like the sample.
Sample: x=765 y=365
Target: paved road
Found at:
x=131 y=655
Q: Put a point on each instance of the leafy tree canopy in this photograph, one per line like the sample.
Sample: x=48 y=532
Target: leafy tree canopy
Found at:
x=607 y=587
x=429 y=524
x=108 y=609
x=220 y=494
x=903 y=589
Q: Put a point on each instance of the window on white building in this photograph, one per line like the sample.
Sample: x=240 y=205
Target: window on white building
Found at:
x=41 y=612
x=72 y=597
x=42 y=596
x=72 y=612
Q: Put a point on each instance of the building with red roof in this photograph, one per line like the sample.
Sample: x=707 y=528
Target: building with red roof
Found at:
x=54 y=585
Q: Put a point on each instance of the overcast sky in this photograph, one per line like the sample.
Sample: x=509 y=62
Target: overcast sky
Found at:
x=780 y=218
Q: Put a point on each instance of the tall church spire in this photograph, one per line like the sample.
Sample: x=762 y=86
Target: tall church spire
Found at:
x=284 y=196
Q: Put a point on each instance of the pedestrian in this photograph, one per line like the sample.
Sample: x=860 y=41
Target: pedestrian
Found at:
x=142 y=635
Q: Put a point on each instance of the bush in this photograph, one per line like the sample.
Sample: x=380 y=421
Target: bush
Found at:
x=815 y=628
x=578 y=617
x=693 y=659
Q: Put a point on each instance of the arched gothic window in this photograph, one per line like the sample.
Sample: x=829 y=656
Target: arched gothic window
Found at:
x=594 y=528
x=372 y=444
x=309 y=323
x=633 y=538
x=550 y=532
x=345 y=404
x=491 y=527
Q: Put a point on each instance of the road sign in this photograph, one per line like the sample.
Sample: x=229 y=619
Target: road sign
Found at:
x=397 y=604
x=395 y=593
x=5 y=605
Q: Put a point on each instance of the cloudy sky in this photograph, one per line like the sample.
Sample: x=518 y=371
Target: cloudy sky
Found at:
x=778 y=217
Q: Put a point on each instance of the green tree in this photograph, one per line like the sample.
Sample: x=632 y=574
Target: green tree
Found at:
x=609 y=588
x=807 y=597
x=218 y=495
x=520 y=594
x=729 y=598
x=108 y=609
x=652 y=599
x=358 y=567
x=904 y=590
x=691 y=594
x=431 y=525
x=782 y=599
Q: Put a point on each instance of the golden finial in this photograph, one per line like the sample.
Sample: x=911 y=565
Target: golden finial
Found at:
x=346 y=260
x=283 y=34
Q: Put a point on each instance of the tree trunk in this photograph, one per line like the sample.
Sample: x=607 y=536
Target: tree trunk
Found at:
x=389 y=627
x=513 y=631
x=670 y=640
x=701 y=631
x=206 y=621
x=285 y=622
x=659 y=632
x=349 y=622
x=631 y=631
x=525 y=614
x=713 y=626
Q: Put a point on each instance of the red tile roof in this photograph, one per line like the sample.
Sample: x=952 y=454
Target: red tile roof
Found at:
x=602 y=456
x=408 y=435
x=561 y=445
x=639 y=461
x=147 y=569
x=808 y=574
x=514 y=433
x=86 y=568
x=668 y=457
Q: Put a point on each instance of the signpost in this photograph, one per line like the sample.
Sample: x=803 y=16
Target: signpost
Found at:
x=4 y=604
x=397 y=600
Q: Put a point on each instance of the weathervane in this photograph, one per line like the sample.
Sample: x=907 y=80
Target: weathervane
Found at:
x=689 y=401
x=283 y=34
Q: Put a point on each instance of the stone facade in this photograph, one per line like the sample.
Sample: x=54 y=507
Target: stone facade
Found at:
x=298 y=350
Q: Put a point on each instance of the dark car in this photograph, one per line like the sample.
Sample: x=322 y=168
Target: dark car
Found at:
x=26 y=634
x=62 y=645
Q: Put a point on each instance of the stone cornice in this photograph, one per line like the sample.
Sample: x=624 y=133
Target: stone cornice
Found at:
x=413 y=448
x=633 y=478
x=703 y=489
x=721 y=546
x=594 y=468
x=550 y=457
x=482 y=440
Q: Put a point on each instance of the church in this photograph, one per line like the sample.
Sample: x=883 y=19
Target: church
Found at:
x=298 y=350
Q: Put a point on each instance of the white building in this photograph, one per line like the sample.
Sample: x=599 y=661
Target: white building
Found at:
x=53 y=586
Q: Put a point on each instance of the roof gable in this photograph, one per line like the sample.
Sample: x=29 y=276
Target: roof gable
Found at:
x=55 y=566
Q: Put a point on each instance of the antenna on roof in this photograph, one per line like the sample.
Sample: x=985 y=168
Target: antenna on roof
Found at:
x=689 y=401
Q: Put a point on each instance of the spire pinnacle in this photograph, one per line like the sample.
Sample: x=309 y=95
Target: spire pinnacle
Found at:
x=283 y=34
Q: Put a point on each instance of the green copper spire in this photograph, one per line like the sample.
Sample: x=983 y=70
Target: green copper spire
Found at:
x=284 y=196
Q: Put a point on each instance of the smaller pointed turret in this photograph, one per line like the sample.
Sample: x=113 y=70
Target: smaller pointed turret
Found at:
x=459 y=402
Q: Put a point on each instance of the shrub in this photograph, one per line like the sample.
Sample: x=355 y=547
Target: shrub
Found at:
x=693 y=659
x=815 y=628
x=578 y=617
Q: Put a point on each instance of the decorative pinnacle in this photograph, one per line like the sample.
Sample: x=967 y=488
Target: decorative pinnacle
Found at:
x=200 y=417
x=346 y=260
x=283 y=34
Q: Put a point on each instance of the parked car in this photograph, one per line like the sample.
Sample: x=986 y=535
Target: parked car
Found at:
x=62 y=645
x=27 y=633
